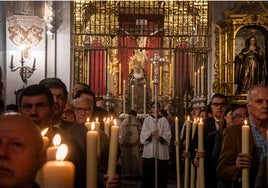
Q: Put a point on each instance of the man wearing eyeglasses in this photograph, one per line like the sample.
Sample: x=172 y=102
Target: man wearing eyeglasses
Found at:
x=232 y=160
x=211 y=125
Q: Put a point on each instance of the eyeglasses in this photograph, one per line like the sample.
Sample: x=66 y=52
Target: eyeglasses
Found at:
x=240 y=116
x=222 y=104
x=79 y=110
x=68 y=112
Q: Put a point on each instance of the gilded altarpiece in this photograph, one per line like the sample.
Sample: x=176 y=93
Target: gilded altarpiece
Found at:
x=246 y=20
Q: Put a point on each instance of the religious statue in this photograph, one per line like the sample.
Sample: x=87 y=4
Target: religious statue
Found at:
x=249 y=66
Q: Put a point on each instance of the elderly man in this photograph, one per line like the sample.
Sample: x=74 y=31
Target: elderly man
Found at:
x=232 y=160
x=20 y=157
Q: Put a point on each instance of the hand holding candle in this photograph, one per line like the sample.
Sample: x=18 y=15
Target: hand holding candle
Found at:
x=59 y=173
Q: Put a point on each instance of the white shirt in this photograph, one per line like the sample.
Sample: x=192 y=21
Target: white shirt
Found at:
x=163 y=130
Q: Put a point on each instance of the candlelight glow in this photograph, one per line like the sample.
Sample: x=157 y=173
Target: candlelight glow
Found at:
x=188 y=117
x=245 y=122
x=87 y=119
x=97 y=119
x=201 y=120
x=44 y=131
x=61 y=152
x=92 y=126
x=114 y=121
x=104 y=119
x=57 y=140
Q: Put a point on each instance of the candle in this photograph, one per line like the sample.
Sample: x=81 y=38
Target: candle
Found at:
x=11 y=62
x=92 y=159
x=88 y=124
x=34 y=63
x=120 y=72
x=202 y=80
x=59 y=173
x=21 y=55
x=96 y=124
x=52 y=150
x=107 y=127
x=177 y=152
x=113 y=151
x=245 y=149
x=192 y=180
x=152 y=91
x=198 y=82
x=195 y=83
x=187 y=142
x=201 y=148
x=108 y=77
x=45 y=138
x=144 y=99
x=132 y=96
x=124 y=96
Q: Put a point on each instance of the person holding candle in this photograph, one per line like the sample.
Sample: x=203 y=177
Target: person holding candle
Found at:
x=155 y=135
x=231 y=159
x=20 y=157
x=211 y=125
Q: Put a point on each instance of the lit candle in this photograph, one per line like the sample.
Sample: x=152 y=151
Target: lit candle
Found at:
x=124 y=96
x=107 y=127
x=132 y=96
x=59 y=173
x=202 y=80
x=34 y=63
x=52 y=150
x=201 y=148
x=245 y=149
x=92 y=159
x=144 y=99
x=113 y=151
x=187 y=162
x=88 y=124
x=177 y=152
x=11 y=62
x=97 y=125
x=45 y=138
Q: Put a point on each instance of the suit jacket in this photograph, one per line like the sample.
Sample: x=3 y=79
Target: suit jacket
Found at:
x=231 y=147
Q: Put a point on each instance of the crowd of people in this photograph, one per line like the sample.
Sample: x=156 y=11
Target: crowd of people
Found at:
x=143 y=143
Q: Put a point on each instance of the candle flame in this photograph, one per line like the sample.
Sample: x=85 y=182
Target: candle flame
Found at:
x=245 y=122
x=61 y=152
x=188 y=117
x=176 y=118
x=97 y=119
x=92 y=126
x=88 y=119
x=104 y=119
x=44 y=131
x=201 y=120
x=114 y=121
x=57 y=140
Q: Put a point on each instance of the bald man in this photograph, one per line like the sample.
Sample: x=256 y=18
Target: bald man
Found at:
x=21 y=151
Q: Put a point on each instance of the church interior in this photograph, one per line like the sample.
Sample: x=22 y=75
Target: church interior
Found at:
x=179 y=52
x=134 y=53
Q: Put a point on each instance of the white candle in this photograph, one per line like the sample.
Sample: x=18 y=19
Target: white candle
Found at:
x=192 y=180
x=198 y=82
x=144 y=99
x=88 y=124
x=187 y=141
x=201 y=148
x=45 y=138
x=97 y=128
x=177 y=152
x=195 y=83
x=120 y=75
x=59 y=173
x=107 y=127
x=113 y=151
x=52 y=150
x=245 y=149
x=202 y=80
x=132 y=96
x=124 y=96
x=92 y=159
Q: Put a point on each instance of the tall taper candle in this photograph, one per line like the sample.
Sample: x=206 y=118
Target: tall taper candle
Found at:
x=177 y=152
x=113 y=151
x=201 y=148
x=187 y=162
x=92 y=159
x=202 y=80
x=245 y=149
x=192 y=179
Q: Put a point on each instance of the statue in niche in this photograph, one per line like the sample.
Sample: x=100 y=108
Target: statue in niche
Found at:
x=249 y=66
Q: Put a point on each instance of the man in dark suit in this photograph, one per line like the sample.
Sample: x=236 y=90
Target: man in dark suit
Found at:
x=232 y=160
x=211 y=125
